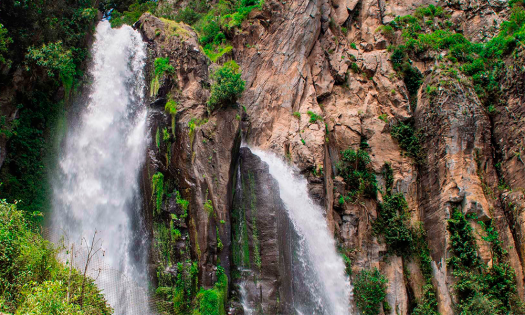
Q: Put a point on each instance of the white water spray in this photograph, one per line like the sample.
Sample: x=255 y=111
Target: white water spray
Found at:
x=325 y=279
x=96 y=187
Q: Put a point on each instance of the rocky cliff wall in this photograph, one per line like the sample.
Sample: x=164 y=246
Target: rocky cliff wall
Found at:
x=323 y=77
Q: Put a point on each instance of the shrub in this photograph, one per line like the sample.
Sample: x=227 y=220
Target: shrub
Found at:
x=32 y=280
x=228 y=86
x=133 y=14
x=297 y=115
x=370 y=291
x=393 y=223
x=314 y=117
x=408 y=139
x=56 y=59
x=4 y=43
x=360 y=180
x=187 y=15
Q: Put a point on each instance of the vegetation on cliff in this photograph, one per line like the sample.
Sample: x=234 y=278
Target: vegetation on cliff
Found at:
x=32 y=280
x=480 y=288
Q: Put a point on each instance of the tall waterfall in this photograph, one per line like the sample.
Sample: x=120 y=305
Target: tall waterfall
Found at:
x=97 y=185
x=320 y=285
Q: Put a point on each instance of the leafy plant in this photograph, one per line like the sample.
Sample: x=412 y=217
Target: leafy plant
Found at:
x=359 y=178
x=370 y=291
x=314 y=117
x=227 y=86
x=408 y=139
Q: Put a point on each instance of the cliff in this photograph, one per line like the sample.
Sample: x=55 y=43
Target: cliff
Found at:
x=384 y=81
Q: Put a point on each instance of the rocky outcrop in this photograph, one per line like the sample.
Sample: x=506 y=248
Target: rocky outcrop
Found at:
x=195 y=151
x=319 y=80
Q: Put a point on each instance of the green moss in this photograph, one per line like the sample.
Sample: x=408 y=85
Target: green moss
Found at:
x=208 y=207
x=171 y=107
x=162 y=67
x=213 y=301
x=157 y=184
x=183 y=203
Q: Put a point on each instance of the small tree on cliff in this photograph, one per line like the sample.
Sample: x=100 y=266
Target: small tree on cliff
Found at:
x=227 y=87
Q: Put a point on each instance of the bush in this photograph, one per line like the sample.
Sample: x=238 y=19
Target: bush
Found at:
x=394 y=223
x=4 y=43
x=133 y=14
x=227 y=86
x=408 y=139
x=369 y=291
x=32 y=280
x=360 y=180
x=314 y=117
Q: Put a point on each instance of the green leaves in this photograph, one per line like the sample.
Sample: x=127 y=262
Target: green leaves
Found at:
x=369 y=291
x=360 y=180
x=228 y=86
x=4 y=43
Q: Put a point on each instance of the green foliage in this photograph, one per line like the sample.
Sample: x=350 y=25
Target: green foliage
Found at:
x=182 y=203
x=165 y=134
x=393 y=223
x=480 y=289
x=157 y=184
x=162 y=67
x=133 y=13
x=462 y=242
x=29 y=149
x=359 y=178
x=370 y=291
x=213 y=301
x=427 y=32
x=384 y=118
x=314 y=117
x=353 y=46
x=4 y=43
x=227 y=86
x=208 y=207
x=408 y=139
x=297 y=115
x=32 y=280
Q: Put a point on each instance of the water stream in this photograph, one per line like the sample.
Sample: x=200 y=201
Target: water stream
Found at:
x=97 y=185
x=320 y=283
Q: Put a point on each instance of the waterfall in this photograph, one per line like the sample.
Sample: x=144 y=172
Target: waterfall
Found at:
x=97 y=185
x=320 y=283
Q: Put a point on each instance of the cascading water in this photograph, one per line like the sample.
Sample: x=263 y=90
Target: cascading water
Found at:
x=97 y=184
x=320 y=285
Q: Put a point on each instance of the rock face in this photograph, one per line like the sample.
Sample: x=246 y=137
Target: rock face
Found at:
x=261 y=238
x=319 y=80
x=195 y=152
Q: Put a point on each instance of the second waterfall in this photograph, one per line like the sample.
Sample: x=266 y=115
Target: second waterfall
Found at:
x=96 y=201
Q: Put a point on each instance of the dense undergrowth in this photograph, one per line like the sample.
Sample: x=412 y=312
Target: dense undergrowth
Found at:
x=32 y=280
